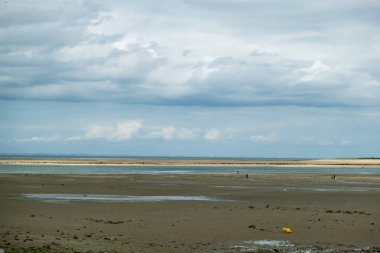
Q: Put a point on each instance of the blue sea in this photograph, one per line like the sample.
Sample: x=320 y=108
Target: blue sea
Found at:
x=88 y=169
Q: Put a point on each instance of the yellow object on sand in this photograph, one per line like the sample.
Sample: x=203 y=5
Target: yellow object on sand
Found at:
x=287 y=230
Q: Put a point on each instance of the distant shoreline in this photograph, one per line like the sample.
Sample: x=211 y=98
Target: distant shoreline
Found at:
x=343 y=163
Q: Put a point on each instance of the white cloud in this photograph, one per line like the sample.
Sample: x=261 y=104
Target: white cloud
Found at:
x=52 y=138
x=243 y=62
x=171 y=57
x=266 y=138
x=128 y=42
x=168 y=133
x=95 y=131
x=122 y=131
x=172 y=133
x=125 y=130
x=186 y=134
x=323 y=141
x=212 y=134
x=85 y=51
x=315 y=72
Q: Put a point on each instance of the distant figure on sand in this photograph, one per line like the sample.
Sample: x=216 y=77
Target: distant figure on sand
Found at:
x=333 y=176
x=246 y=175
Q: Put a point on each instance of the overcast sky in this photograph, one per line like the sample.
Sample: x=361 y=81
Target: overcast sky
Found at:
x=239 y=78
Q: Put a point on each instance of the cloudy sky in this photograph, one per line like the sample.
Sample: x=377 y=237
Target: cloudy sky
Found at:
x=238 y=78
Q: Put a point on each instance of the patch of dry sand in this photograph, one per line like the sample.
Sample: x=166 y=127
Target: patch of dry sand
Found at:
x=193 y=162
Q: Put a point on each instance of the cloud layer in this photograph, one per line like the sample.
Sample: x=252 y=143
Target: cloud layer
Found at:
x=125 y=130
x=188 y=77
x=228 y=53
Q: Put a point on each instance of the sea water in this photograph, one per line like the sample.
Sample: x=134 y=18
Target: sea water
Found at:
x=113 y=198
x=106 y=169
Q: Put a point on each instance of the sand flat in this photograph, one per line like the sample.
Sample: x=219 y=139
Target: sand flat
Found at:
x=192 y=162
x=343 y=215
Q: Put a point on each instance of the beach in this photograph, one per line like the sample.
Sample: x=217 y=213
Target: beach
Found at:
x=195 y=213
x=189 y=126
x=105 y=161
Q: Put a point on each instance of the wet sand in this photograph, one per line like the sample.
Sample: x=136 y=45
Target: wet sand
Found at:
x=341 y=214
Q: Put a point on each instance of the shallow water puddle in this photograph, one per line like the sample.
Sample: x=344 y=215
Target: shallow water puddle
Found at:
x=273 y=243
x=253 y=246
x=287 y=246
x=114 y=198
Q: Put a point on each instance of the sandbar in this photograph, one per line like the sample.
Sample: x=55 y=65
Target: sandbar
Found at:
x=365 y=162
